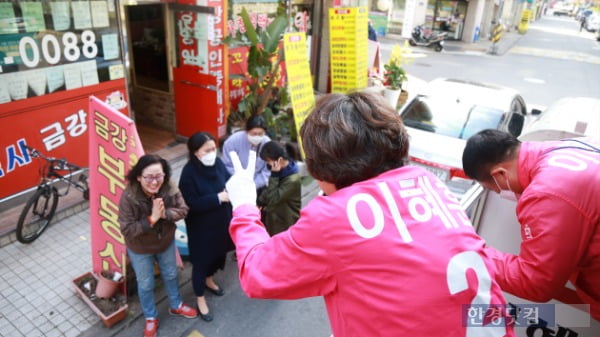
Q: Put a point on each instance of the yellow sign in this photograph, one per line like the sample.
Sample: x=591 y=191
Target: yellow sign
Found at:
x=496 y=33
x=524 y=24
x=348 y=46
x=299 y=80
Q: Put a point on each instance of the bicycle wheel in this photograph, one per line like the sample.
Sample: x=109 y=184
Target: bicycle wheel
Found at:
x=83 y=181
x=37 y=214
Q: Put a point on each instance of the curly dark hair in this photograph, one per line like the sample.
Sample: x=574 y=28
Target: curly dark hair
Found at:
x=353 y=137
x=145 y=161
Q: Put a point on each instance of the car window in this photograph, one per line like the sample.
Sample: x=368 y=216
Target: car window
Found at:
x=450 y=117
x=480 y=118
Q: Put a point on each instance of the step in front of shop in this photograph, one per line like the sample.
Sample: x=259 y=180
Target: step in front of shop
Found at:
x=67 y=206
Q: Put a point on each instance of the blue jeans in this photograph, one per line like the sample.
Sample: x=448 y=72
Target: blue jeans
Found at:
x=143 y=265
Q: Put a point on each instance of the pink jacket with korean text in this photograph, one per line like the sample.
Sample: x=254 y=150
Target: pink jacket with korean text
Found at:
x=392 y=256
x=559 y=213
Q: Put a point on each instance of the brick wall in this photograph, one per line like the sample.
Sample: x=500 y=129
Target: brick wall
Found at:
x=153 y=107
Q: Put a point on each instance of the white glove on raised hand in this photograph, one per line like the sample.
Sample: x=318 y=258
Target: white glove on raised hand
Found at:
x=241 y=187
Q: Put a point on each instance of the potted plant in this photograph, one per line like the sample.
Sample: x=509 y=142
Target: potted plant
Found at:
x=264 y=59
x=108 y=283
x=394 y=75
x=110 y=310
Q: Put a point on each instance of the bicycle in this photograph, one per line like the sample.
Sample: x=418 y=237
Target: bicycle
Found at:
x=39 y=209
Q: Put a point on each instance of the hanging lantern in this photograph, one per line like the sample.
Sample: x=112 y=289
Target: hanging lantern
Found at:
x=383 y=5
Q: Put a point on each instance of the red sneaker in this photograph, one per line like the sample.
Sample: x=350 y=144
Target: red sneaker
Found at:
x=184 y=311
x=151 y=327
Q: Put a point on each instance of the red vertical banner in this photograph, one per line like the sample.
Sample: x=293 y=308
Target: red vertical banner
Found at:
x=217 y=67
x=238 y=65
x=201 y=71
x=114 y=147
x=191 y=52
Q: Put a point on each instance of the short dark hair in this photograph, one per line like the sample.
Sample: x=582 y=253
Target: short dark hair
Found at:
x=273 y=150
x=256 y=121
x=196 y=141
x=145 y=161
x=486 y=149
x=353 y=137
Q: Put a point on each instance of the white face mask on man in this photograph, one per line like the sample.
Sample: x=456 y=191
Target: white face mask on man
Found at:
x=209 y=158
x=508 y=195
x=255 y=140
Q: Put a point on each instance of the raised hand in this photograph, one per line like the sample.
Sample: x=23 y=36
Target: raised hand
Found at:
x=241 y=187
x=276 y=167
x=223 y=196
x=158 y=209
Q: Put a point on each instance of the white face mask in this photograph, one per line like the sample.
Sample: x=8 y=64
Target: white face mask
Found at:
x=209 y=158
x=504 y=194
x=255 y=140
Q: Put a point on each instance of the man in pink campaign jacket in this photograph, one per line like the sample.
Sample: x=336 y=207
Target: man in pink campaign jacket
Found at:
x=557 y=184
x=388 y=247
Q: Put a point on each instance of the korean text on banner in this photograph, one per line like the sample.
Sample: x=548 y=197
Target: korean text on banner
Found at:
x=349 y=48
x=299 y=80
x=114 y=148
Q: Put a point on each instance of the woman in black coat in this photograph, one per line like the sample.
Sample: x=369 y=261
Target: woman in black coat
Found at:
x=202 y=185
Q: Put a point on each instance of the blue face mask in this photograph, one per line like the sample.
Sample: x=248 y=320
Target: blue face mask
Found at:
x=504 y=194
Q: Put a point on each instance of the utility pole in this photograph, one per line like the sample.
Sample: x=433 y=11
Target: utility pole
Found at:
x=496 y=35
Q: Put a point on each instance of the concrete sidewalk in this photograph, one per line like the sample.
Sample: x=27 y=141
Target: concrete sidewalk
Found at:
x=482 y=45
x=37 y=295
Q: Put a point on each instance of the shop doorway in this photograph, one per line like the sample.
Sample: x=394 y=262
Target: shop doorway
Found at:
x=150 y=90
x=447 y=16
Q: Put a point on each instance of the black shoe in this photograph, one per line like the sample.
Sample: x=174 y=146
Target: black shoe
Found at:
x=205 y=317
x=217 y=292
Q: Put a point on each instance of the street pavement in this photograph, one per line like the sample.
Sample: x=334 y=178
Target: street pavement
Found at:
x=37 y=295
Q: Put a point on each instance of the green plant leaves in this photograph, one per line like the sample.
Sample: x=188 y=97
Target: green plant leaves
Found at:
x=264 y=59
x=273 y=34
x=253 y=61
x=233 y=42
x=394 y=75
x=250 y=31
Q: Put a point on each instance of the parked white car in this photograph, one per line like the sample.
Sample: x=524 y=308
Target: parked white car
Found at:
x=592 y=23
x=562 y=9
x=447 y=113
x=566 y=118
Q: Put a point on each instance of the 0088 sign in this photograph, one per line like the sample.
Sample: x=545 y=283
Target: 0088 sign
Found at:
x=51 y=50
x=48 y=47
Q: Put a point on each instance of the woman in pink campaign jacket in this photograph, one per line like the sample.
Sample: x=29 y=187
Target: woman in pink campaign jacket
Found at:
x=557 y=184
x=388 y=247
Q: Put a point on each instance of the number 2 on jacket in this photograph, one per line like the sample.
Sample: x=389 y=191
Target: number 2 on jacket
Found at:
x=456 y=276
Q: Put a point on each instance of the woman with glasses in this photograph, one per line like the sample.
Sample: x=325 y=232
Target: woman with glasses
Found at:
x=149 y=207
x=202 y=184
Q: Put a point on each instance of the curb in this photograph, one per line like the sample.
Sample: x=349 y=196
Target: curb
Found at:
x=10 y=236
x=503 y=48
